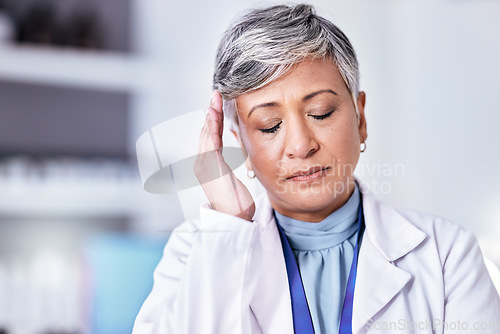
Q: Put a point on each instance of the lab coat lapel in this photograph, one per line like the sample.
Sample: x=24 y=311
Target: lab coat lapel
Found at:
x=388 y=237
x=271 y=303
x=377 y=282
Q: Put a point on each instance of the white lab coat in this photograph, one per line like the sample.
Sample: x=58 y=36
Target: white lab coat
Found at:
x=417 y=273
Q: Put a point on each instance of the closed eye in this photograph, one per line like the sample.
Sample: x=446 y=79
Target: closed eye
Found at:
x=328 y=114
x=271 y=130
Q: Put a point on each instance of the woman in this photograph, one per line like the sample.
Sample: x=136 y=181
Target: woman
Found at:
x=317 y=252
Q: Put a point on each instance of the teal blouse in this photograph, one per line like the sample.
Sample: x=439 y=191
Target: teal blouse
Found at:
x=324 y=253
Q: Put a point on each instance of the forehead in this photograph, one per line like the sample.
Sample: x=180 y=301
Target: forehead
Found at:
x=304 y=78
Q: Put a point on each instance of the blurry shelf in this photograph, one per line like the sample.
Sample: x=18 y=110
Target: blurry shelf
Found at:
x=78 y=198
x=72 y=67
x=74 y=187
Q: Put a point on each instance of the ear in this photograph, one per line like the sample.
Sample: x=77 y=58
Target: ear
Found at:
x=363 y=135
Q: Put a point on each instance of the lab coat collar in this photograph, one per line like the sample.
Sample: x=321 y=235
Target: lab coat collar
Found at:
x=391 y=233
x=388 y=237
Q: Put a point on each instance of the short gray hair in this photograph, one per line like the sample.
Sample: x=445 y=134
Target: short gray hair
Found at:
x=264 y=44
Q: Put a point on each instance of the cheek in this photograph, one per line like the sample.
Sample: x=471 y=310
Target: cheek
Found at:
x=341 y=142
x=264 y=155
x=349 y=148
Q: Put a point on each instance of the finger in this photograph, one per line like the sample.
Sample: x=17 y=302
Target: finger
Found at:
x=205 y=142
x=216 y=104
x=206 y=167
x=216 y=137
x=214 y=128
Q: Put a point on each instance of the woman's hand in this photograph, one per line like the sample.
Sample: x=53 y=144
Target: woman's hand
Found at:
x=224 y=191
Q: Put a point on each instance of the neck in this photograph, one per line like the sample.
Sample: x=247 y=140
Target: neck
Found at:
x=316 y=215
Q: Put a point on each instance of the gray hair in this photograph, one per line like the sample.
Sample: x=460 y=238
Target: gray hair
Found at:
x=264 y=44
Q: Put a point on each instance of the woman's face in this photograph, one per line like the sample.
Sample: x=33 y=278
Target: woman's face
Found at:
x=304 y=123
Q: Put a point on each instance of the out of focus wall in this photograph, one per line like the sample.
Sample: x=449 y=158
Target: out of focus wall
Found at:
x=74 y=218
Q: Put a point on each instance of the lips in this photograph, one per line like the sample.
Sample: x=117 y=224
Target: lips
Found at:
x=307 y=172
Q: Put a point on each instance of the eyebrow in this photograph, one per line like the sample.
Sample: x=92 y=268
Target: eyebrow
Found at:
x=304 y=99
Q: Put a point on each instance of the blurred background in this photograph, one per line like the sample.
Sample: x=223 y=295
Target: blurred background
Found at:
x=81 y=80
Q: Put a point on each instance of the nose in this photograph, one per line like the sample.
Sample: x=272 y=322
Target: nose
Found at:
x=300 y=140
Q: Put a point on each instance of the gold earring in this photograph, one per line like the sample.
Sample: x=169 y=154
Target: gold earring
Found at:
x=364 y=146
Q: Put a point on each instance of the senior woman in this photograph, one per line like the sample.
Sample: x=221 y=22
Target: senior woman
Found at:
x=316 y=253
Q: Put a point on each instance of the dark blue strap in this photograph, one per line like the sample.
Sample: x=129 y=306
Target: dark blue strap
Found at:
x=302 y=322
x=346 y=318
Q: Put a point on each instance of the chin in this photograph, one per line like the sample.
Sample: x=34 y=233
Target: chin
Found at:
x=308 y=200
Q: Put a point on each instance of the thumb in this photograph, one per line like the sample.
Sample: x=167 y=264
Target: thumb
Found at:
x=216 y=101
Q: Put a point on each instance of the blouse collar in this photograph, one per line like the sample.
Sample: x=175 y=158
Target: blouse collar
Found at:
x=331 y=231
